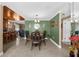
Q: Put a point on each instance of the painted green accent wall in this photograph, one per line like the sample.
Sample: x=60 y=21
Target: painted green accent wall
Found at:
x=54 y=28
x=44 y=25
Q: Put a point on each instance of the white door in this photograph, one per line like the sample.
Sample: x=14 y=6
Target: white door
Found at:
x=66 y=31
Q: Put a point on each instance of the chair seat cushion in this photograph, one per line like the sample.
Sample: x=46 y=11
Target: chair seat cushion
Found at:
x=45 y=39
x=35 y=42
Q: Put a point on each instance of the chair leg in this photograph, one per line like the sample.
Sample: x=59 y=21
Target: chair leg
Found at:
x=26 y=42
x=32 y=46
x=39 y=45
x=44 y=42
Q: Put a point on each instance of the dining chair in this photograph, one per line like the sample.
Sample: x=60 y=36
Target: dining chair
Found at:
x=21 y=33
x=44 y=37
x=6 y=37
x=27 y=36
x=35 y=40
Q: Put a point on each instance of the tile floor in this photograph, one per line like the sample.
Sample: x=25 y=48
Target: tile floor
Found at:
x=22 y=50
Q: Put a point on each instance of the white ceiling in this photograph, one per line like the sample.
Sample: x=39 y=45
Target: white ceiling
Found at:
x=45 y=10
x=76 y=9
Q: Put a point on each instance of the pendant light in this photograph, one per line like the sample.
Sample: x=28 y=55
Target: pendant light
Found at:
x=36 y=20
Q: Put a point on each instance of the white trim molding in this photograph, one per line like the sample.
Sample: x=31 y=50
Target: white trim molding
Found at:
x=60 y=28
x=1 y=53
x=59 y=46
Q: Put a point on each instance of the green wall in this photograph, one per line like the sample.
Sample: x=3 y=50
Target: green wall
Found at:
x=44 y=25
x=54 y=28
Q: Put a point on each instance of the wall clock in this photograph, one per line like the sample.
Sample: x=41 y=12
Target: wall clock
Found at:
x=36 y=26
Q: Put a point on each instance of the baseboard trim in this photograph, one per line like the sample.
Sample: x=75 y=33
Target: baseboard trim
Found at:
x=55 y=43
x=1 y=53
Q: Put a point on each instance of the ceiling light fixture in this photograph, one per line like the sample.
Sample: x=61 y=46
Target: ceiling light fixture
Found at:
x=36 y=19
x=72 y=12
x=8 y=13
x=76 y=20
x=16 y=17
x=72 y=21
